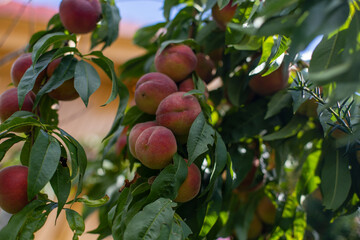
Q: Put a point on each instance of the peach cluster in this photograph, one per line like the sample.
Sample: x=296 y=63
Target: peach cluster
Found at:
x=162 y=93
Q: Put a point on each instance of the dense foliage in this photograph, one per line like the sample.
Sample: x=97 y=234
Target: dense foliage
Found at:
x=295 y=147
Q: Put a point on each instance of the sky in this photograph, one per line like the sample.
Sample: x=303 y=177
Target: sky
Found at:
x=139 y=12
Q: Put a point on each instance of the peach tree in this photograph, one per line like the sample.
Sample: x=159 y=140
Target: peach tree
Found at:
x=223 y=129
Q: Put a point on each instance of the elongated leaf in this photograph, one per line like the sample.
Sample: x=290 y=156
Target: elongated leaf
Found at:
x=173 y=231
x=87 y=80
x=108 y=66
x=121 y=209
x=44 y=159
x=27 y=81
x=7 y=144
x=19 y=119
x=147 y=223
x=212 y=214
x=144 y=37
x=63 y=72
x=168 y=182
x=335 y=176
x=291 y=129
x=76 y=223
x=201 y=135
x=61 y=185
x=46 y=41
x=94 y=203
x=81 y=160
x=11 y=230
x=279 y=101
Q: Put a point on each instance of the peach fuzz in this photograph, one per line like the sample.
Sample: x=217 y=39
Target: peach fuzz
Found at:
x=13 y=188
x=151 y=89
x=80 y=16
x=177 y=112
x=155 y=147
x=176 y=61
x=135 y=132
x=9 y=103
x=191 y=186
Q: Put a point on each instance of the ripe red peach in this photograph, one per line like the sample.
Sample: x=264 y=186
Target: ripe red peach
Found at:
x=19 y=68
x=204 y=67
x=13 y=188
x=269 y=84
x=80 y=16
x=188 y=85
x=66 y=91
x=176 y=61
x=191 y=186
x=135 y=132
x=9 y=103
x=155 y=147
x=223 y=16
x=151 y=89
x=177 y=112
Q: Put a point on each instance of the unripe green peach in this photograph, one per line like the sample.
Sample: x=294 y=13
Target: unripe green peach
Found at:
x=151 y=89
x=177 y=112
x=66 y=91
x=223 y=16
x=13 y=188
x=204 y=67
x=176 y=61
x=135 y=132
x=9 y=103
x=19 y=68
x=155 y=147
x=191 y=186
x=80 y=16
x=269 y=84
x=266 y=211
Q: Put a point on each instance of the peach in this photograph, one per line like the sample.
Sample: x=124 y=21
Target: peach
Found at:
x=151 y=89
x=13 y=188
x=9 y=103
x=191 y=186
x=19 y=68
x=176 y=61
x=204 y=67
x=188 y=85
x=155 y=147
x=255 y=228
x=177 y=112
x=223 y=16
x=135 y=132
x=66 y=91
x=80 y=16
x=266 y=211
x=269 y=84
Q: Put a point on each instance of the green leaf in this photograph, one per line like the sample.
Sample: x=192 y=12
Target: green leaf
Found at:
x=108 y=67
x=44 y=159
x=12 y=229
x=132 y=115
x=221 y=157
x=76 y=223
x=108 y=30
x=93 y=203
x=87 y=80
x=291 y=129
x=144 y=37
x=168 y=182
x=173 y=231
x=168 y=4
x=147 y=223
x=25 y=153
x=335 y=176
x=27 y=81
x=8 y=143
x=200 y=136
x=20 y=119
x=62 y=73
x=61 y=184
x=121 y=208
x=48 y=115
x=46 y=41
x=212 y=214
x=280 y=100
x=80 y=157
